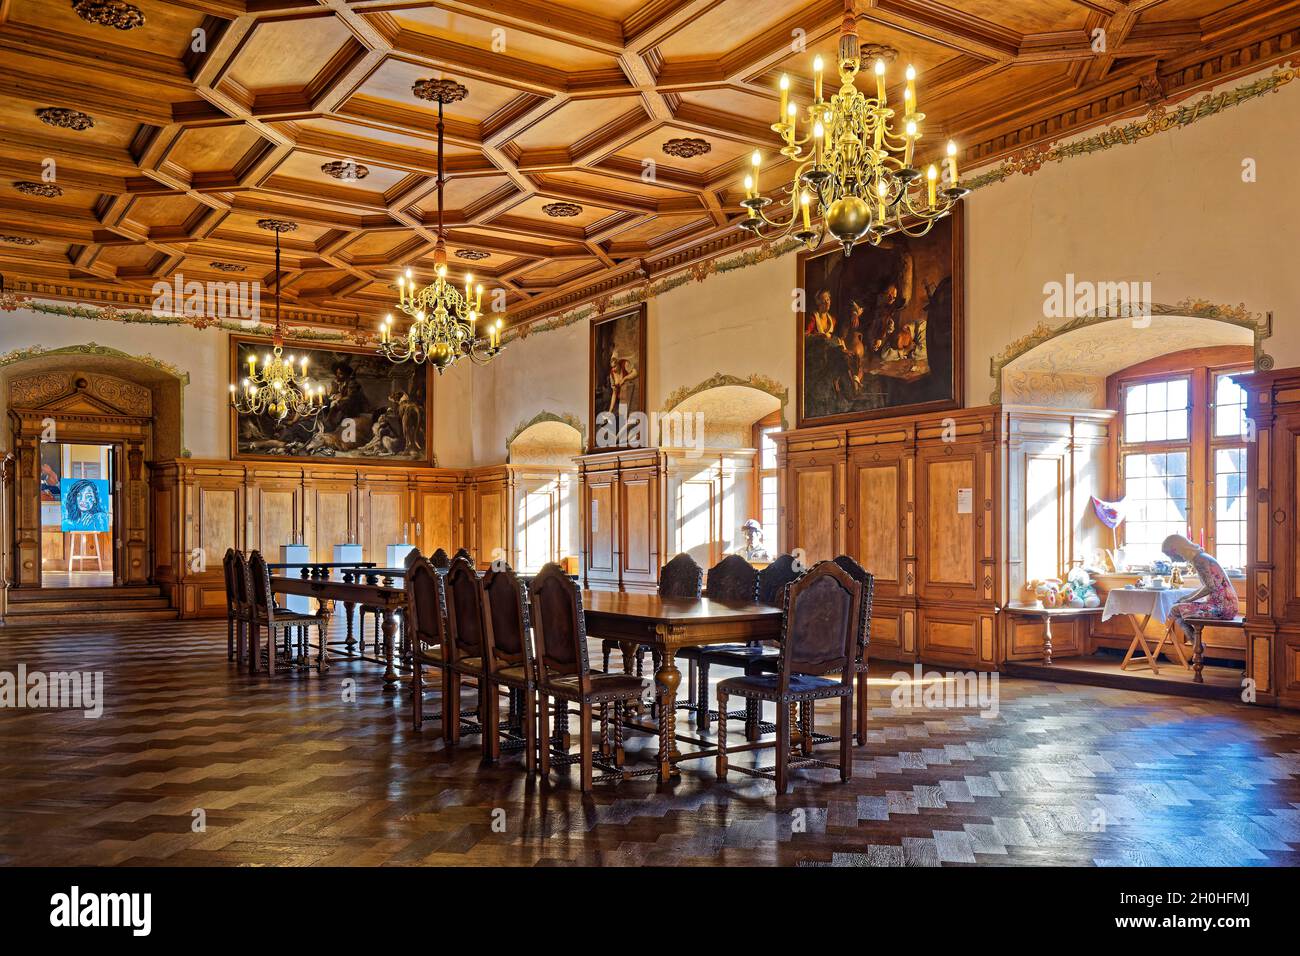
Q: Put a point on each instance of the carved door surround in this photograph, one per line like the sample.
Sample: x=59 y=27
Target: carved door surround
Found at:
x=78 y=408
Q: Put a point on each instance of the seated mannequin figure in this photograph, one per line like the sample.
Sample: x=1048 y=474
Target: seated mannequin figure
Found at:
x=1216 y=598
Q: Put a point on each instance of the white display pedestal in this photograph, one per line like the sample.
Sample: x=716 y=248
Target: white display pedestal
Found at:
x=396 y=557
x=295 y=554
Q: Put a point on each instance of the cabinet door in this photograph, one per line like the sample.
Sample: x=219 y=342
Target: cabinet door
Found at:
x=601 y=527
x=814 y=506
x=384 y=520
x=435 y=521
x=639 y=509
x=875 y=531
x=948 y=497
x=331 y=517
x=277 y=517
x=489 y=525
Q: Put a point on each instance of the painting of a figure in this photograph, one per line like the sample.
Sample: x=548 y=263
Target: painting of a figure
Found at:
x=882 y=332
x=373 y=409
x=617 y=371
x=87 y=506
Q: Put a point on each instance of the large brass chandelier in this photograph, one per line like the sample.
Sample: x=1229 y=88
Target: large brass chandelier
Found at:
x=853 y=163
x=445 y=329
x=277 y=388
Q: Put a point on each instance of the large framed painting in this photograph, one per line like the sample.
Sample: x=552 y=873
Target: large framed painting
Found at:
x=375 y=412
x=882 y=330
x=618 y=378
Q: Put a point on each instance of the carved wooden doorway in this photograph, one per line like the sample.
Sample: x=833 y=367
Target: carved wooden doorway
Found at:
x=94 y=416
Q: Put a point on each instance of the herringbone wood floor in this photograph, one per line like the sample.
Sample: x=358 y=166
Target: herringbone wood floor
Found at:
x=289 y=771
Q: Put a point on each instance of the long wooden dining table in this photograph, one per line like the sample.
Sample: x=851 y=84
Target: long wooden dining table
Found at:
x=665 y=624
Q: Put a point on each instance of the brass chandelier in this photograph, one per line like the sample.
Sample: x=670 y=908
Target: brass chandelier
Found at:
x=277 y=388
x=445 y=328
x=853 y=163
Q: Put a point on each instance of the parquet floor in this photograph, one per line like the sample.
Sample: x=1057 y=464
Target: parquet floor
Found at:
x=293 y=770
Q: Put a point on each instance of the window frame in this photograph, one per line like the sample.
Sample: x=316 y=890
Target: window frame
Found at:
x=1202 y=368
x=770 y=422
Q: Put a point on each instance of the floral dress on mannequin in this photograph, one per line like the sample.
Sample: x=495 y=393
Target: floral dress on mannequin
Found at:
x=1217 y=598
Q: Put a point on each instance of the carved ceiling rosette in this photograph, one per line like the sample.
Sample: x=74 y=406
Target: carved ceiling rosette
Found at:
x=473 y=255
x=18 y=240
x=439 y=90
x=277 y=225
x=687 y=147
x=44 y=190
x=561 y=210
x=109 y=13
x=65 y=118
x=227 y=266
x=345 y=170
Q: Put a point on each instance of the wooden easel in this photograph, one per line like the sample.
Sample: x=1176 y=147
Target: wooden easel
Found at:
x=81 y=553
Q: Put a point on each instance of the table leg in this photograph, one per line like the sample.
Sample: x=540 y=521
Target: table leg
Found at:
x=390 y=628
x=348 y=608
x=1139 y=638
x=1198 y=656
x=325 y=606
x=1047 y=639
x=667 y=678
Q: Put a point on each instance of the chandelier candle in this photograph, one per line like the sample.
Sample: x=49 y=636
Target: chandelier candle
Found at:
x=855 y=163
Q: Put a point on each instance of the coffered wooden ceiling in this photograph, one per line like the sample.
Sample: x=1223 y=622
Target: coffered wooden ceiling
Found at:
x=193 y=142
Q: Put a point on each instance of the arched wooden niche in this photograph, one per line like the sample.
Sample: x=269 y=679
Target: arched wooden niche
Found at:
x=548 y=439
x=79 y=405
x=1068 y=367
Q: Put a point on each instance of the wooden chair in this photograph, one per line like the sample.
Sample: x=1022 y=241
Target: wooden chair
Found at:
x=819 y=632
x=731 y=579
x=244 y=601
x=509 y=664
x=440 y=560
x=564 y=672
x=424 y=632
x=680 y=577
x=279 y=621
x=235 y=615
x=868 y=581
x=461 y=616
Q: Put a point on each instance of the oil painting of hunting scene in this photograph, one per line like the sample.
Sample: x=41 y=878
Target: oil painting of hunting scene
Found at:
x=372 y=410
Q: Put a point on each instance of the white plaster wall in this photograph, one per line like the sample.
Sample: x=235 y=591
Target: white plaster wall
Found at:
x=204 y=354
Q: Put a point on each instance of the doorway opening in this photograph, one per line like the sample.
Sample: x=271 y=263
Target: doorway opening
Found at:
x=78 y=511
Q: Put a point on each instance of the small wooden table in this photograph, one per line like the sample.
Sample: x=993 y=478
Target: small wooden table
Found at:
x=326 y=592
x=1046 y=614
x=667 y=625
x=1148 y=603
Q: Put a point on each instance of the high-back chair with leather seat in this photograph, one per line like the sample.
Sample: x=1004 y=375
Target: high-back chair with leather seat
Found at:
x=731 y=579
x=276 y=621
x=564 y=672
x=508 y=663
x=819 y=634
x=235 y=614
x=424 y=633
x=868 y=582
x=462 y=619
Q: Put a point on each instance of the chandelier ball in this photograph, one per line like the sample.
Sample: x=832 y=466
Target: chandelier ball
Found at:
x=848 y=219
x=441 y=355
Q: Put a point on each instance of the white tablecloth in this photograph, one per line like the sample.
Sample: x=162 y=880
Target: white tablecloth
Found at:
x=1144 y=601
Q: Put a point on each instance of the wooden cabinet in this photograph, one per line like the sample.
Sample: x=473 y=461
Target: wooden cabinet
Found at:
x=914 y=500
x=1272 y=606
x=622 y=506
x=201 y=508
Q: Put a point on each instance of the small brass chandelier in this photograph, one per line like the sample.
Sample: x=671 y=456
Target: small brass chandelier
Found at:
x=277 y=388
x=445 y=327
x=853 y=165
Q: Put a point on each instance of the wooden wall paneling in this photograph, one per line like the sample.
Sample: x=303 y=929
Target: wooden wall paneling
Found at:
x=599 y=524
x=949 y=556
x=213 y=502
x=437 y=515
x=330 y=514
x=491 y=491
x=384 y=512
x=276 y=509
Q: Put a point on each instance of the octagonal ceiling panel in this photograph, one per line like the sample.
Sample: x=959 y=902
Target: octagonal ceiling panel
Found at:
x=508 y=42
x=296 y=55
x=390 y=85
